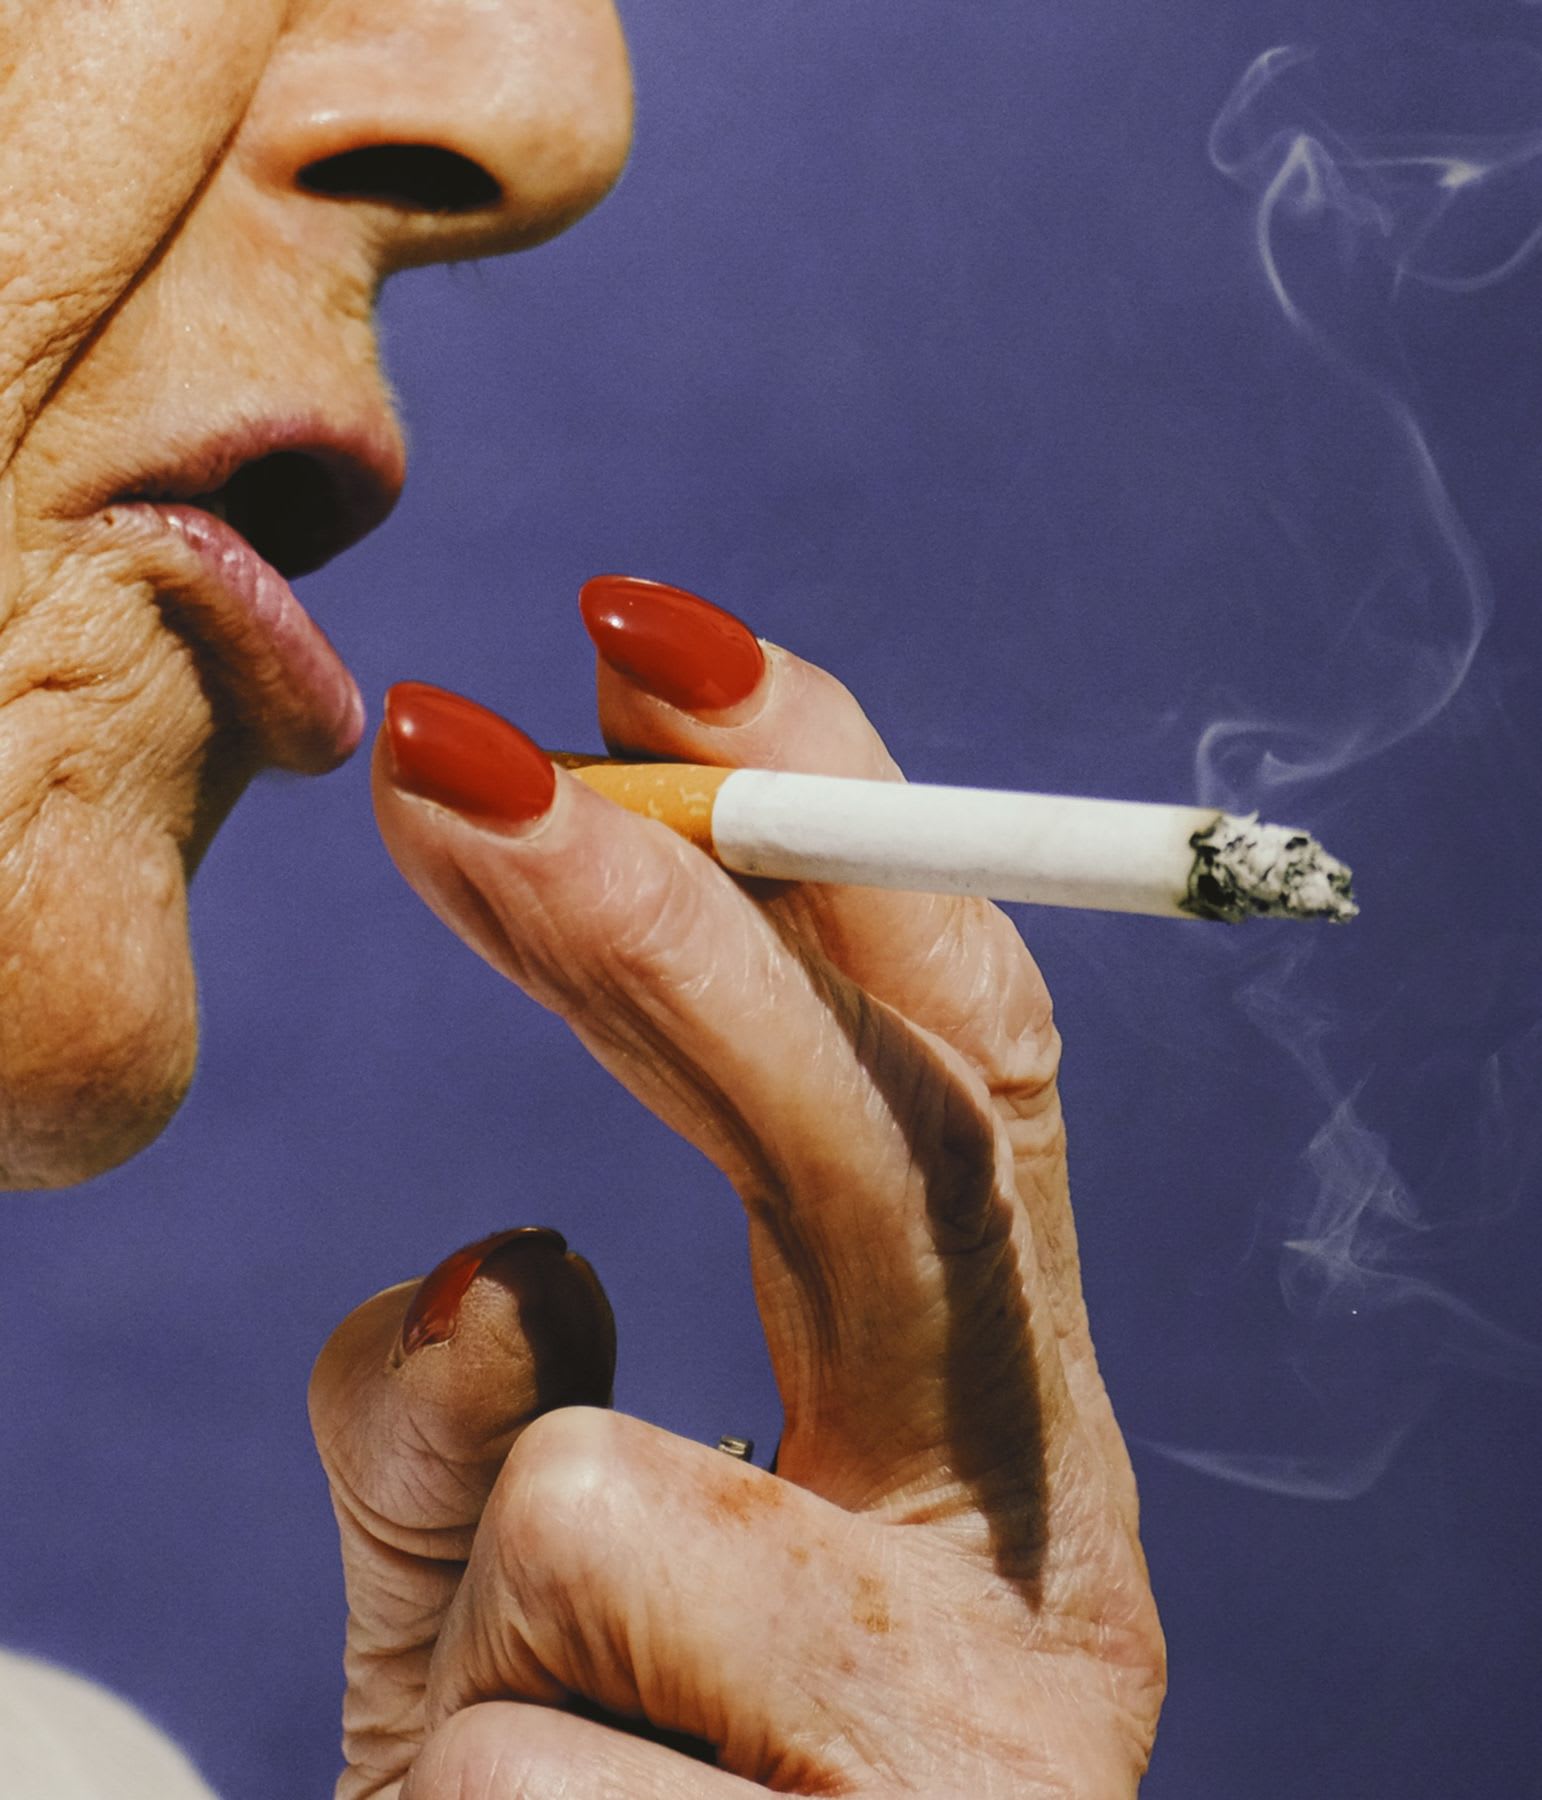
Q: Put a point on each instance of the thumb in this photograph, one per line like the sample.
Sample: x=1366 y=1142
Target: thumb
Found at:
x=415 y=1402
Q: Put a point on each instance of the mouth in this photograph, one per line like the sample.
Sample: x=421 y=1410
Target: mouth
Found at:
x=228 y=527
x=296 y=506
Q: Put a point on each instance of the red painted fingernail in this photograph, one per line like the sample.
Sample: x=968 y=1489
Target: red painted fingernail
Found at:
x=450 y=750
x=564 y=1316
x=677 y=646
x=435 y=1308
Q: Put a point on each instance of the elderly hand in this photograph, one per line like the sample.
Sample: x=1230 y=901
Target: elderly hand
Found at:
x=941 y=1591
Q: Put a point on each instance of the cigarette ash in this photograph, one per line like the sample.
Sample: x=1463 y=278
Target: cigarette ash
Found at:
x=1247 y=870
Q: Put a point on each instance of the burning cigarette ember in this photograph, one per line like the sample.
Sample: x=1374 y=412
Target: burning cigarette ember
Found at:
x=1047 y=849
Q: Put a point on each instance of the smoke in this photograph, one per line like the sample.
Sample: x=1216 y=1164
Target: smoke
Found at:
x=1361 y=1228
x=1340 y=1477
x=1346 y=226
x=1457 y=211
x=1337 y=230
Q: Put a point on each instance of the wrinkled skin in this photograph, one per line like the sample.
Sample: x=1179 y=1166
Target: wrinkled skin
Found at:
x=164 y=272
x=941 y=1592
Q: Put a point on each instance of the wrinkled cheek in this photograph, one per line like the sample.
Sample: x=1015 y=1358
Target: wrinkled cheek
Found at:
x=98 y=1015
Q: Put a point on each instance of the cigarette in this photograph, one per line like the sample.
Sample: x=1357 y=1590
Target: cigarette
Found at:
x=1172 y=862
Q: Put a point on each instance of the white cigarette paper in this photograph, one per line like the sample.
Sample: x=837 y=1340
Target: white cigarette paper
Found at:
x=1045 y=849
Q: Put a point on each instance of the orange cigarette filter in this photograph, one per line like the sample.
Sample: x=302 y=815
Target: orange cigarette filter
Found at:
x=679 y=795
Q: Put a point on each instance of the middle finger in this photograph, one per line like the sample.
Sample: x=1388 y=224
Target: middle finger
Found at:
x=680 y=679
x=903 y=1305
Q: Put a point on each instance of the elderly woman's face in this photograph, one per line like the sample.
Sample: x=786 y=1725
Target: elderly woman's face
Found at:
x=199 y=198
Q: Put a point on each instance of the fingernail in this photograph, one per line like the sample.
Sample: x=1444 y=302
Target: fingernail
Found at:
x=564 y=1318
x=435 y=1309
x=678 y=647
x=450 y=750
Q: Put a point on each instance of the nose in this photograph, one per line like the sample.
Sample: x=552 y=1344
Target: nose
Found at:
x=455 y=129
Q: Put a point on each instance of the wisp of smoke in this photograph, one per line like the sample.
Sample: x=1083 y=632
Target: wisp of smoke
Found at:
x=1342 y=225
x=1347 y=225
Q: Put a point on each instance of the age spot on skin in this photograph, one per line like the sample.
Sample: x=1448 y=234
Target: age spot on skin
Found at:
x=744 y=1501
x=869 y=1609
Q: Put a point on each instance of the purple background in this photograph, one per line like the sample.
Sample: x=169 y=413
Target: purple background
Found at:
x=936 y=342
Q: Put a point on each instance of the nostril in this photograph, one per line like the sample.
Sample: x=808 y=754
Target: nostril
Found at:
x=415 y=177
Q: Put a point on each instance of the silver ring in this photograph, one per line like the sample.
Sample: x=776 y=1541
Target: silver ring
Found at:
x=740 y=1448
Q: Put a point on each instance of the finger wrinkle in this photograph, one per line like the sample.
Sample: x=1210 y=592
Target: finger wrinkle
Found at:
x=1026 y=1085
x=1036 y=1136
x=447 y=1544
x=661 y=925
x=382 y=1707
x=376 y=1668
x=359 y=1452
x=396 y=1609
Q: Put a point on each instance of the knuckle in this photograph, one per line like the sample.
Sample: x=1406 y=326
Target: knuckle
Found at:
x=559 y=1499
x=972 y=979
x=1027 y=1091
x=652 y=907
x=614 y=932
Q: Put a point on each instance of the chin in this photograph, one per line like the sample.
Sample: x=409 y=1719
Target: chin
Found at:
x=71 y=1133
x=98 y=1010
x=89 y=1113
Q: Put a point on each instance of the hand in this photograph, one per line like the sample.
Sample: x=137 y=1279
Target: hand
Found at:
x=941 y=1591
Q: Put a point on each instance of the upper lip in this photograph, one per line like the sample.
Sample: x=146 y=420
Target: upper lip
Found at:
x=300 y=491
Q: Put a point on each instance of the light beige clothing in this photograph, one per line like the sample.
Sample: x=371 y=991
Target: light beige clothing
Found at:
x=64 y=1738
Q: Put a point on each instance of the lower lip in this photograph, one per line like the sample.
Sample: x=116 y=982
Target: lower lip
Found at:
x=290 y=687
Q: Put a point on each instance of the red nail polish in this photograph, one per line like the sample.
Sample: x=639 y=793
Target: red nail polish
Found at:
x=677 y=646
x=450 y=750
x=564 y=1317
x=435 y=1308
